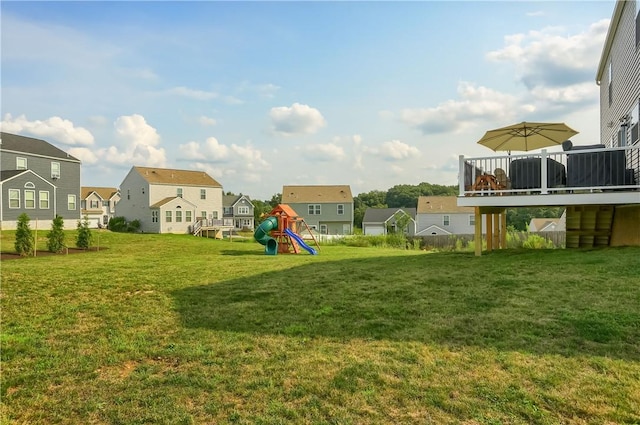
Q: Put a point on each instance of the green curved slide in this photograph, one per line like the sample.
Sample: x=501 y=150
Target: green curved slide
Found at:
x=262 y=235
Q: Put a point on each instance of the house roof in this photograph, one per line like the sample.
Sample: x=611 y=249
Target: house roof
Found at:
x=380 y=215
x=16 y=143
x=441 y=205
x=611 y=33
x=176 y=177
x=8 y=174
x=165 y=201
x=103 y=192
x=539 y=224
x=316 y=194
x=230 y=200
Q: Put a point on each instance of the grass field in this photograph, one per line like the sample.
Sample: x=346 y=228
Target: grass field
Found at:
x=173 y=329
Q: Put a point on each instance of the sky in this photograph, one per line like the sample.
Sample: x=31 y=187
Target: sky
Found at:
x=265 y=94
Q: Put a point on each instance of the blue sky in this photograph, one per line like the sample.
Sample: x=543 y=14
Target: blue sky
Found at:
x=266 y=94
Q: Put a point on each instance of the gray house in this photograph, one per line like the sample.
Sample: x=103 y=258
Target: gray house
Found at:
x=619 y=77
x=237 y=212
x=327 y=209
x=441 y=215
x=38 y=179
x=378 y=221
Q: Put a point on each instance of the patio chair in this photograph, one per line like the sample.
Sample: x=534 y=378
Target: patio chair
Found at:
x=502 y=179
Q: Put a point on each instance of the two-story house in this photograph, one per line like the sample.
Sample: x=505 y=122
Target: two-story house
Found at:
x=98 y=204
x=38 y=179
x=441 y=215
x=327 y=209
x=237 y=212
x=169 y=201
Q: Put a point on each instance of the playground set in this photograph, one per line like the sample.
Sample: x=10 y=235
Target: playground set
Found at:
x=279 y=232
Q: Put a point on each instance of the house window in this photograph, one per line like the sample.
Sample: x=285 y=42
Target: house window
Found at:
x=446 y=220
x=128 y=194
x=178 y=216
x=204 y=215
x=55 y=170
x=14 y=198
x=105 y=203
x=314 y=209
x=203 y=193
x=323 y=229
x=472 y=220
x=154 y=216
x=340 y=209
x=21 y=163
x=246 y=222
x=187 y=216
x=637 y=23
x=215 y=215
x=30 y=199
x=243 y=210
x=635 y=119
x=71 y=202
x=228 y=210
x=95 y=204
x=179 y=192
x=167 y=216
x=44 y=199
x=143 y=190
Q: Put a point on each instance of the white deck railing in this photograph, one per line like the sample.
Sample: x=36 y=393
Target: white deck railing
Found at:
x=543 y=173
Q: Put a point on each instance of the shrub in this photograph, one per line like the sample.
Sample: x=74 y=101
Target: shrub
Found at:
x=83 y=240
x=55 y=237
x=120 y=224
x=25 y=243
x=537 y=242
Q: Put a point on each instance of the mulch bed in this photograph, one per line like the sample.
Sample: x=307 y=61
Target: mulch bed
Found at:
x=70 y=251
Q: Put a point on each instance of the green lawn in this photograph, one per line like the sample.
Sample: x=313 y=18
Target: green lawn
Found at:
x=174 y=329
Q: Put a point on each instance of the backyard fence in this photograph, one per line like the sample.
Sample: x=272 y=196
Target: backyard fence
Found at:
x=514 y=239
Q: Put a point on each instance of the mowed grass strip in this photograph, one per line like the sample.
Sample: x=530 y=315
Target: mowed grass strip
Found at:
x=174 y=329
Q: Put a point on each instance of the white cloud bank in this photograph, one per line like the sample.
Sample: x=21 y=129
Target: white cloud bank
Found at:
x=56 y=128
x=295 y=120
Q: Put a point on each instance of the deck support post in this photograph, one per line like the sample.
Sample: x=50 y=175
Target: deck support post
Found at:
x=489 y=231
x=478 y=232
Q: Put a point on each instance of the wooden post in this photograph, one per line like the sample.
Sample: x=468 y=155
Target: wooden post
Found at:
x=489 y=232
x=478 y=232
x=496 y=231
x=503 y=231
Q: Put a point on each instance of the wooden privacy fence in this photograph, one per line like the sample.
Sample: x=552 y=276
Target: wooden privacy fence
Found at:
x=514 y=239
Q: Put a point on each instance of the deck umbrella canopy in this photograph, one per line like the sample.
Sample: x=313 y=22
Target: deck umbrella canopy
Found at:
x=527 y=136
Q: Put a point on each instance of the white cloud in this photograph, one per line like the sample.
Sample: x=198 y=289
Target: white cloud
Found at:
x=296 y=120
x=192 y=94
x=209 y=151
x=476 y=102
x=138 y=143
x=56 y=128
x=549 y=58
x=207 y=121
x=324 y=152
x=86 y=155
x=394 y=150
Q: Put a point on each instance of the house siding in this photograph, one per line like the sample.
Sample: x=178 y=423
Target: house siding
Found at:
x=624 y=56
x=44 y=216
x=336 y=224
x=458 y=223
x=67 y=184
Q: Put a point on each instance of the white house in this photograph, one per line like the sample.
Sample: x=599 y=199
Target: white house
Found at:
x=377 y=221
x=169 y=201
x=98 y=204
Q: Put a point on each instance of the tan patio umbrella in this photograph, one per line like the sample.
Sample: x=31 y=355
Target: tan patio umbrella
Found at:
x=527 y=136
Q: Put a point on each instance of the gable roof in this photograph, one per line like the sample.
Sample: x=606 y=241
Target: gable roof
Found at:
x=316 y=194
x=29 y=145
x=380 y=215
x=540 y=224
x=10 y=174
x=169 y=199
x=231 y=200
x=441 y=205
x=176 y=177
x=103 y=192
x=430 y=228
